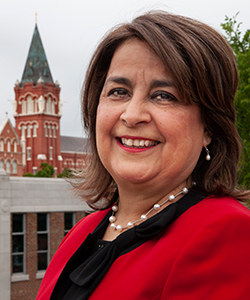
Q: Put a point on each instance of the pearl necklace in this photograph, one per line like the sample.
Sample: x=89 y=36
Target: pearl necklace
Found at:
x=143 y=217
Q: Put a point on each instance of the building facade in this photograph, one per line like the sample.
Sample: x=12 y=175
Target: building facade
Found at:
x=35 y=214
x=37 y=110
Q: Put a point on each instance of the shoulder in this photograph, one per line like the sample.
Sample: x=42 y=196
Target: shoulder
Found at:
x=215 y=245
x=216 y=209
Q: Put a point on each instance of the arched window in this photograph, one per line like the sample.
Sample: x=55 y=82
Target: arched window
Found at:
x=14 y=167
x=34 y=130
x=53 y=107
x=8 y=166
x=8 y=146
x=48 y=110
x=1 y=145
x=46 y=129
x=54 y=131
x=36 y=105
x=23 y=131
x=15 y=146
x=24 y=110
x=1 y=164
x=29 y=131
x=30 y=105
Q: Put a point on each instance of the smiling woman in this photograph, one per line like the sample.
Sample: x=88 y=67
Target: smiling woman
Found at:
x=158 y=104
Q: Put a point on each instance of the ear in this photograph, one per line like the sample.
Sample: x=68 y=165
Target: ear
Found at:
x=207 y=139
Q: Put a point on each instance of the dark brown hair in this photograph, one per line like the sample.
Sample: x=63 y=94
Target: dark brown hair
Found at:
x=203 y=67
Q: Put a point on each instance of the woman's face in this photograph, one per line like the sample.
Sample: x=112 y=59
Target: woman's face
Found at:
x=145 y=135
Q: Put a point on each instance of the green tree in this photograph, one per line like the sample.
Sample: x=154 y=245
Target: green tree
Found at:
x=66 y=173
x=46 y=171
x=240 y=43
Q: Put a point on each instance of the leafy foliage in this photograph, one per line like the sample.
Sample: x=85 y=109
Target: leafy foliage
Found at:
x=46 y=171
x=66 y=173
x=240 y=44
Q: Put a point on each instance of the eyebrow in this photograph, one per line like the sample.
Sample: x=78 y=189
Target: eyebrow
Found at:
x=121 y=80
x=154 y=83
x=162 y=83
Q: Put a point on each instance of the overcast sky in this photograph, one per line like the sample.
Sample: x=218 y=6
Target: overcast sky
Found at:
x=70 y=31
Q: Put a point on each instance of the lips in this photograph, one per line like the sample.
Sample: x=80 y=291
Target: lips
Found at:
x=137 y=143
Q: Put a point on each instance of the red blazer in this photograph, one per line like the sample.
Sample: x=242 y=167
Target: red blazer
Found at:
x=203 y=255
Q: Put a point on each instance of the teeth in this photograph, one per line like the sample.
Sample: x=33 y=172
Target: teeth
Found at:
x=137 y=143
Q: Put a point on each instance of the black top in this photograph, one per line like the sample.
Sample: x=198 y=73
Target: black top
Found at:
x=88 y=265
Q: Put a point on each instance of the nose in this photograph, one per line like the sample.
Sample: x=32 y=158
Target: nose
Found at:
x=137 y=111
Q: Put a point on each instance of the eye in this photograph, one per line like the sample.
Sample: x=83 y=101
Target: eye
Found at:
x=118 y=92
x=162 y=96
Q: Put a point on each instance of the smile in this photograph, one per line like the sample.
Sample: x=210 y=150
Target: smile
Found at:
x=137 y=143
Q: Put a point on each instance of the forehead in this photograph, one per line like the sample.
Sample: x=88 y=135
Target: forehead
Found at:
x=136 y=55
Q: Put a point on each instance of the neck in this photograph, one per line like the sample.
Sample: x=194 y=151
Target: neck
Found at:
x=134 y=208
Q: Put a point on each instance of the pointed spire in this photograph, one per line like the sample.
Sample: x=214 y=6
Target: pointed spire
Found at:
x=36 y=64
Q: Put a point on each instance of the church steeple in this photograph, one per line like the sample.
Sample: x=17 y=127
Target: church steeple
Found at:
x=36 y=66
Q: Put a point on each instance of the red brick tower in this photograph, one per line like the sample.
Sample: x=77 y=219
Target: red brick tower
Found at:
x=37 y=111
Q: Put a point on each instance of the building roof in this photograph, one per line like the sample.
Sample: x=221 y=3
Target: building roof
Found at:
x=36 y=66
x=74 y=144
x=3 y=125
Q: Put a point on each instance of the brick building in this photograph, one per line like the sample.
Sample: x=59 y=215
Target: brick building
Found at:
x=35 y=213
x=37 y=110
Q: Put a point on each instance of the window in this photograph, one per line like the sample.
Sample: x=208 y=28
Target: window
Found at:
x=46 y=130
x=23 y=130
x=54 y=131
x=18 y=243
x=34 y=170
x=1 y=164
x=50 y=131
x=15 y=146
x=28 y=153
x=14 y=167
x=48 y=105
x=42 y=241
x=24 y=107
x=51 y=153
x=53 y=107
x=34 y=130
x=8 y=146
x=30 y=105
x=69 y=221
x=35 y=105
x=8 y=166
x=55 y=172
x=1 y=146
x=29 y=131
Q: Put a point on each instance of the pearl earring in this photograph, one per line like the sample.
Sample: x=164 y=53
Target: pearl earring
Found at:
x=208 y=157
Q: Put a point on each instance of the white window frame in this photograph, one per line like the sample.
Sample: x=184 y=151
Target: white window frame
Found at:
x=28 y=153
x=47 y=231
x=50 y=153
x=52 y=107
x=24 y=107
x=46 y=130
x=8 y=166
x=15 y=146
x=24 y=244
x=28 y=131
x=1 y=145
x=50 y=130
x=54 y=131
x=30 y=105
x=34 y=170
x=14 y=167
x=34 y=130
x=8 y=146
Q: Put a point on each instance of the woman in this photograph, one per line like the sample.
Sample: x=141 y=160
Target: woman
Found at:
x=158 y=105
